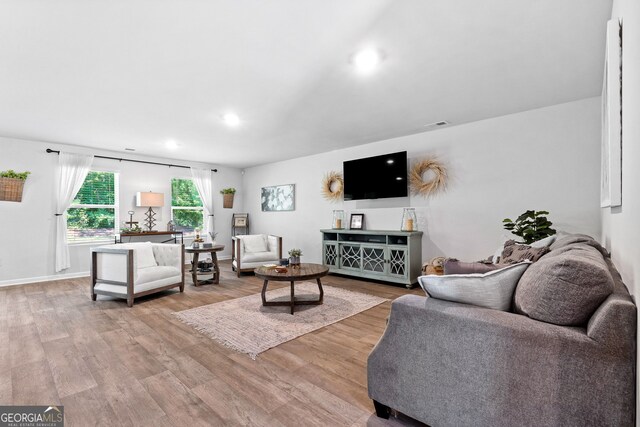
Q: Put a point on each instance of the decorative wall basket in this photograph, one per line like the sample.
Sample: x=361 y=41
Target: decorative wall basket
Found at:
x=11 y=189
x=227 y=200
x=333 y=186
x=416 y=177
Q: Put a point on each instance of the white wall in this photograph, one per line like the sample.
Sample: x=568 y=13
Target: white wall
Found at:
x=547 y=158
x=621 y=225
x=27 y=229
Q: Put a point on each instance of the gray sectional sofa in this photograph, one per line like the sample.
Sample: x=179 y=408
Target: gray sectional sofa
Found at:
x=451 y=364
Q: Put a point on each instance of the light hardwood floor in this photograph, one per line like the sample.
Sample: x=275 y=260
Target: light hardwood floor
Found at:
x=113 y=365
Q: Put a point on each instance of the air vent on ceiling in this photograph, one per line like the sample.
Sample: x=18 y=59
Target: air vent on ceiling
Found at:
x=129 y=149
x=436 y=124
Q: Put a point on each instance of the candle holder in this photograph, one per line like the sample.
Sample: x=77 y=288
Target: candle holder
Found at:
x=338 y=220
x=409 y=220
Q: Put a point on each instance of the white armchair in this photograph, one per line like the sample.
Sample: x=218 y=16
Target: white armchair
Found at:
x=133 y=270
x=253 y=250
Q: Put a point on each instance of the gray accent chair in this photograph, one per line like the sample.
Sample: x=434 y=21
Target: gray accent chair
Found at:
x=452 y=364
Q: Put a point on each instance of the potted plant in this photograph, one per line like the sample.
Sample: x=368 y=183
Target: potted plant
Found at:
x=294 y=256
x=227 y=200
x=12 y=184
x=531 y=226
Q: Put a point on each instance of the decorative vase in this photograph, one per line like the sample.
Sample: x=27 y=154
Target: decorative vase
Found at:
x=294 y=260
x=409 y=220
x=227 y=200
x=338 y=220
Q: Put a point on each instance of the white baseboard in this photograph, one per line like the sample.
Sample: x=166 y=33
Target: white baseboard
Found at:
x=28 y=280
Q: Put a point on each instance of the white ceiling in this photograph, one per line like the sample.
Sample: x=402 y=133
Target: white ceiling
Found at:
x=136 y=73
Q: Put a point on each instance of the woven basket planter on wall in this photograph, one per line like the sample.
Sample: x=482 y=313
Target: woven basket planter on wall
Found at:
x=11 y=189
x=227 y=200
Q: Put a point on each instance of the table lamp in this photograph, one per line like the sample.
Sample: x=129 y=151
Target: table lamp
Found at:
x=149 y=200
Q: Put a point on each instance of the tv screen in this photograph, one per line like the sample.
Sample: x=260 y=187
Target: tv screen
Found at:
x=376 y=177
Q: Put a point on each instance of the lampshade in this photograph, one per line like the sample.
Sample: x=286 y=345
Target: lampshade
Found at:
x=149 y=199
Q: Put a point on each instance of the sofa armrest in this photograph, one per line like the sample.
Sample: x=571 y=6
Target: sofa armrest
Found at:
x=455 y=364
x=111 y=264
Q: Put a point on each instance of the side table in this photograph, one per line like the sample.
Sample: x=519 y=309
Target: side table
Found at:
x=214 y=259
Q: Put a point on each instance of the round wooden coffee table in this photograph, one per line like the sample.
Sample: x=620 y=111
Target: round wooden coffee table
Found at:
x=294 y=274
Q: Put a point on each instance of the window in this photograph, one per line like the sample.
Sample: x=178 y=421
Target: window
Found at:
x=186 y=206
x=93 y=214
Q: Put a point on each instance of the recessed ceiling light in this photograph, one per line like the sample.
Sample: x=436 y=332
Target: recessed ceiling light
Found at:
x=390 y=161
x=366 y=60
x=171 y=144
x=398 y=178
x=231 y=119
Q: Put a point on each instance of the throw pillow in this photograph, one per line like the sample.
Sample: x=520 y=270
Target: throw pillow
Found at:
x=454 y=266
x=255 y=243
x=142 y=252
x=514 y=252
x=566 y=288
x=491 y=290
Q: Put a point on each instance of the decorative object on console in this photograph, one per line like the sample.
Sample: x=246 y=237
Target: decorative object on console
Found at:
x=294 y=257
x=338 y=220
x=531 y=226
x=409 y=220
x=150 y=200
x=416 y=177
x=227 y=197
x=171 y=225
x=356 y=222
x=278 y=198
x=333 y=186
x=11 y=185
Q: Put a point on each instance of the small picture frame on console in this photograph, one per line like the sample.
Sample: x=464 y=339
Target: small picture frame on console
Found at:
x=356 y=222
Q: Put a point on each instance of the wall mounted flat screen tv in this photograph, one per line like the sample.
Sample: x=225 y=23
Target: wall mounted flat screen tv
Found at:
x=376 y=177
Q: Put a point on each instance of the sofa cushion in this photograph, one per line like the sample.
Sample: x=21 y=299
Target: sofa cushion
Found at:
x=259 y=257
x=152 y=274
x=255 y=243
x=491 y=290
x=514 y=252
x=454 y=266
x=565 y=287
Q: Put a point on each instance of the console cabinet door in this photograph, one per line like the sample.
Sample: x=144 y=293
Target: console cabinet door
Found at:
x=373 y=259
x=398 y=261
x=350 y=257
x=330 y=254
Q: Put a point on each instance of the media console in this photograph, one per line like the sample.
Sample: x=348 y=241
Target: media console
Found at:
x=391 y=256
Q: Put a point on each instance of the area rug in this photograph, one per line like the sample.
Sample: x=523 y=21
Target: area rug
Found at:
x=244 y=325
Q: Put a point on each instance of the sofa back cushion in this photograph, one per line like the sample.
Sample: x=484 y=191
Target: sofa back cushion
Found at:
x=142 y=252
x=255 y=243
x=566 y=286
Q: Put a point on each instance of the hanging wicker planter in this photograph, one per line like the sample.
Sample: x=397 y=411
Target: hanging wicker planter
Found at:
x=416 y=177
x=227 y=200
x=11 y=189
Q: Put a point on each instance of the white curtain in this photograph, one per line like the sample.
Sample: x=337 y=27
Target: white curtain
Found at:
x=72 y=170
x=202 y=181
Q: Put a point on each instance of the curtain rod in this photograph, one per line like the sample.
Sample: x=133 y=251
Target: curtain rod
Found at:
x=49 y=150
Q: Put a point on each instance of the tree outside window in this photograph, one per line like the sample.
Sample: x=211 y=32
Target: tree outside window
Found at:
x=93 y=215
x=186 y=206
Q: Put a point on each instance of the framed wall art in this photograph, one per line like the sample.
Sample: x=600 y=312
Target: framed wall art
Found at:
x=278 y=198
